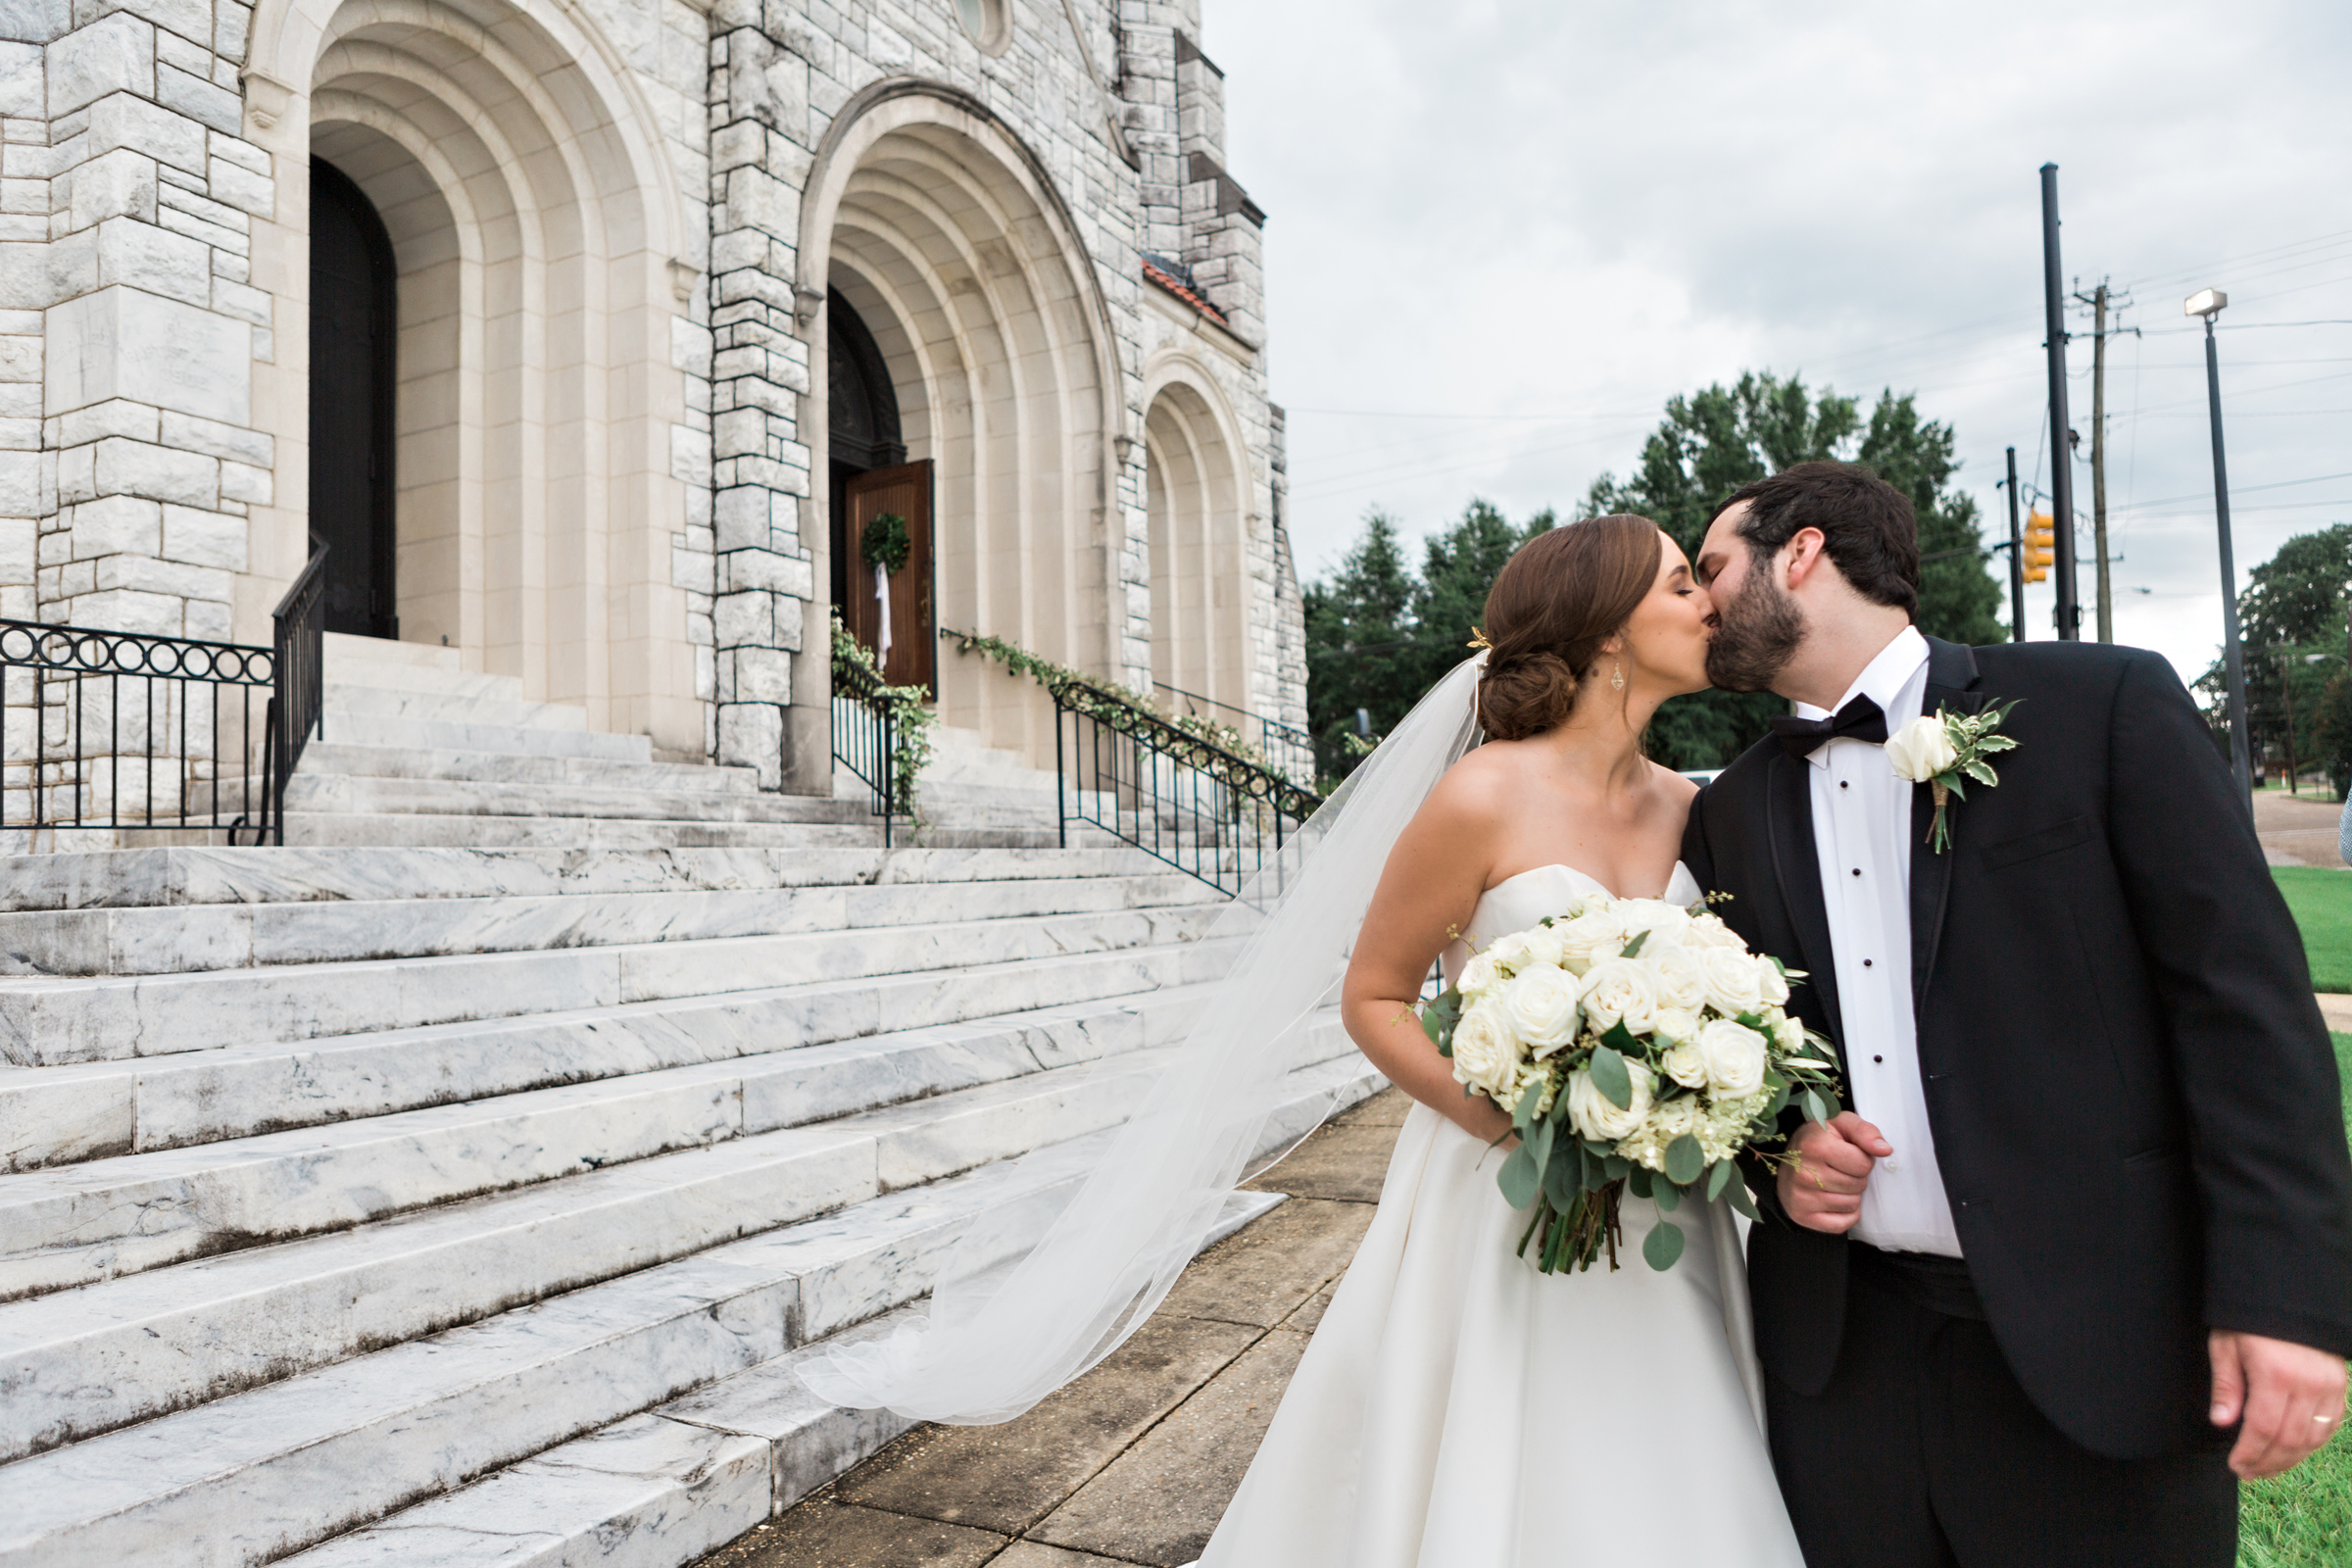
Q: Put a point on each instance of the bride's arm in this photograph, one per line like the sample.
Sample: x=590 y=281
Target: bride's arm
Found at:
x=1428 y=891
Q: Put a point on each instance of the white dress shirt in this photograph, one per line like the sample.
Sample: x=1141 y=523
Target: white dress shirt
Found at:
x=1862 y=835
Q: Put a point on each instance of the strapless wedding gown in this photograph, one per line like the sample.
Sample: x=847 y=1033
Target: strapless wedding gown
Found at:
x=1457 y=1409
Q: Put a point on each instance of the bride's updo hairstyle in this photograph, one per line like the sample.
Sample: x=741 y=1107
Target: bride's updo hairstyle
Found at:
x=1555 y=603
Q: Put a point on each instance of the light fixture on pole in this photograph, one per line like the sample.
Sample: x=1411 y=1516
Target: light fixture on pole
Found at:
x=2209 y=302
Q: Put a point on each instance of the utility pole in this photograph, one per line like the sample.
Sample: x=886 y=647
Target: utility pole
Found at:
x=2287 y=694
x=2101 y=300
x=2062 y=462
x=2017 y=563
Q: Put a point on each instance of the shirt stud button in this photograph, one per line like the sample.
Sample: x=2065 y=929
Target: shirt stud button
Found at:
x=1866 y=963
x=1880 y=1060
x=1857 y=870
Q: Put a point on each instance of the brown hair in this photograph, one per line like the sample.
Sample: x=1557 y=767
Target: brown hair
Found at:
x=1866 y=524
x=1557 y=599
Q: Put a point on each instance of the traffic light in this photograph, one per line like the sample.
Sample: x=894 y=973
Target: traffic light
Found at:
x=2041 y=545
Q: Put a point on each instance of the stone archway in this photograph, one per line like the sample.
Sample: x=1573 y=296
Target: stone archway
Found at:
x=1192 y=490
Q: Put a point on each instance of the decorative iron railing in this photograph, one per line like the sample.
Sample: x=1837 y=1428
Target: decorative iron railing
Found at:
x=1269 y=736
x=120 y=731
x=865 y=740
x=1168 y=792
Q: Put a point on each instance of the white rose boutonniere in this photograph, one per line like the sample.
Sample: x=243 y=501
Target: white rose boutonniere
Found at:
x=1943 y=749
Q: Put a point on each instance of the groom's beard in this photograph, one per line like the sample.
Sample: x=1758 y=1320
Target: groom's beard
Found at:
x=1756 y=633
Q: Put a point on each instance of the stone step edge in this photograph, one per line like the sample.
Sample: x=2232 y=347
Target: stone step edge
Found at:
x=708 y=1467
x=365 y=758
x=94 y=879
x=34 y=1101
x=158 y=940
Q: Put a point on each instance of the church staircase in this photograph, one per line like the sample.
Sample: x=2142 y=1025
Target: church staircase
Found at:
x=458 y=1183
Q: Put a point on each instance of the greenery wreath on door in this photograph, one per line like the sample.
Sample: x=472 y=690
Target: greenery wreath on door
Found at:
x=884 y=543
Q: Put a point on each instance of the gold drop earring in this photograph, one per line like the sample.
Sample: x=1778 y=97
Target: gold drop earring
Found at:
x=1617 y=677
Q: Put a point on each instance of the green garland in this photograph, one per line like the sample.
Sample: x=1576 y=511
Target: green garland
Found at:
x=1220 y=751
x=884 y=543
x=907 y=705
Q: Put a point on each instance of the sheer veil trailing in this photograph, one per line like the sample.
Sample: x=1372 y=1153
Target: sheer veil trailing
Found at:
x=1036 y=1292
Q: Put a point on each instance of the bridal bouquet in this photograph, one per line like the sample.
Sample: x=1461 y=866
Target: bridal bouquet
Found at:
x=1638 y=1046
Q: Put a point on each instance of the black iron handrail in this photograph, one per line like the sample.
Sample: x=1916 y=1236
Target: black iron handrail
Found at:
x=296 y=707
x=178 y=754
x=865 y=740
x=1166 y=791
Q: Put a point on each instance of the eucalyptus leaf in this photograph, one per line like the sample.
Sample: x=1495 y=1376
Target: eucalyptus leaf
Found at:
x=1540 y=1142
x=1520 y=1178
x=1662 y=1247
x=1719 y=1178
x=1617 y=1165
x=1632 y=949
x=1562 y=1178
x=1621 y=1039
x=1610 y=1077
x=1684 y=1160
x=1525 y=1111
x=1743 y=1202
x=1440 y=1016
x=1815 y=1109
x=1666 y=1195
x=1637 y=1181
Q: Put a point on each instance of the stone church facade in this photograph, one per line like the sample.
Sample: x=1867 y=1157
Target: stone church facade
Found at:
x=589 y=336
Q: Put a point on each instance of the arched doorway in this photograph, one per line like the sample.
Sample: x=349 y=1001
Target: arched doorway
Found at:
x=1192 y=497
x=354 y=305
x=893 y=613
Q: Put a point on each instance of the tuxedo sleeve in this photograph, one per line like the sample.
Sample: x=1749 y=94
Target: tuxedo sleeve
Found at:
x=2249 y=1050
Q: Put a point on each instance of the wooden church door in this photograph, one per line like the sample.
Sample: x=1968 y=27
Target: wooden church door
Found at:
x=902 y=600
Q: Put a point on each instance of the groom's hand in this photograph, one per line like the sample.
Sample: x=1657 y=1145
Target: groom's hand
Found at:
x=2290 y=1397
x=1822 y=1187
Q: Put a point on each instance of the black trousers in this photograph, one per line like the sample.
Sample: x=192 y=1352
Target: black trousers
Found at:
x=1923 y=1452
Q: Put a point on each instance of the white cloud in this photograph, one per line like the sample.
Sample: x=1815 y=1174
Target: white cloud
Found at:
x=1526 y=225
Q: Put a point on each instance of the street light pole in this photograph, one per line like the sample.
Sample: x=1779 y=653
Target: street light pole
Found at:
x=2062 y=451
x=2017 y=561
x=2209 y=302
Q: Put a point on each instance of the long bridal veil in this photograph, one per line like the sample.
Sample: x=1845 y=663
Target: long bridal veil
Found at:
x=1029 y=1296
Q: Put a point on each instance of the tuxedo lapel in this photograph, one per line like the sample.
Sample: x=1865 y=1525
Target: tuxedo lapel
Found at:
x=1951 y=684
x=1796 y=867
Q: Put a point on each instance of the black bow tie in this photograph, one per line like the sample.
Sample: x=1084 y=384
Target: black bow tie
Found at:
x=1858 y=720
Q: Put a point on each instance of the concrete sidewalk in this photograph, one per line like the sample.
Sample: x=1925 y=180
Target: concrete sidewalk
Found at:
x=1135 y=1461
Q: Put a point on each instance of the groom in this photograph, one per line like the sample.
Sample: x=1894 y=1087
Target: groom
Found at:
x=2080 y=1244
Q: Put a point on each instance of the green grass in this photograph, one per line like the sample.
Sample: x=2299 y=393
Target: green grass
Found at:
x=2322 y=902
x=2303 y=1519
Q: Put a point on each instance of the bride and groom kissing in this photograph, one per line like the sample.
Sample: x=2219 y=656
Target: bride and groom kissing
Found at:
x=2072 y=1257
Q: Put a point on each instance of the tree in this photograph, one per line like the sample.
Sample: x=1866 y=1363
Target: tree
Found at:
x=1378 y=635
x=2291 y=619
x=1716 y=440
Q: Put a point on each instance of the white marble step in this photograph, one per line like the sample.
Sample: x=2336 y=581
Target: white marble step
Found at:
x=465 y=735
x=216 y=875
x=106 y=1218
x=251 y=1476
x=361 y=794
x=45 y=1022
x=85 y=1361
x=187 y=938
x=60 y=1115
x=355 y=760
x=348 y=708
x=403 y=830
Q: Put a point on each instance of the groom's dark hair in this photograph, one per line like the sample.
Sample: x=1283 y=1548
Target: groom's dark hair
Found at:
x=1867 y=523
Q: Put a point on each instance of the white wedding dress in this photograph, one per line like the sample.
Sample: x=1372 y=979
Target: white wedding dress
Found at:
x=1458 y=1409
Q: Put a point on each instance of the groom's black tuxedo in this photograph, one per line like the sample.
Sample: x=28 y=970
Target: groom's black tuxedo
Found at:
x=2134 y=1098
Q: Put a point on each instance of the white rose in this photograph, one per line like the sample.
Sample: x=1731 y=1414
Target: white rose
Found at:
x=1543 y=944
x=1687 y=1066
x=1731 y=983
x=1921 y=750
x=1735 y=1056
x=1674 y=1118
x=1790 y=1032
x=1653 y=914
x=1770 y=984
x=1540 y=1007
x=1675 y=1023
x=1479 y=976
x=1682 y=981
x=1587 y=937
x=1595 y=1115
x=1709 y=931
x=1620 y=991
x=1510 y=953
x=1485 y=1056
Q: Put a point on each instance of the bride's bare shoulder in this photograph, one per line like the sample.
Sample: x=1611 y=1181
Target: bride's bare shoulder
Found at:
x=1681 y=791
x=1484 y=785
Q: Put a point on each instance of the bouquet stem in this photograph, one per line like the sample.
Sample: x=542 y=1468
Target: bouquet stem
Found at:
x=1577 y=1239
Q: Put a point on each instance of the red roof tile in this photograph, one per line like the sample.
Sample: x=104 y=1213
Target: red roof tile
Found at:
x=1155 y=275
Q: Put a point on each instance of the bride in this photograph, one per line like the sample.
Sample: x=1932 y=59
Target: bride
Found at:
x=1456 y=1409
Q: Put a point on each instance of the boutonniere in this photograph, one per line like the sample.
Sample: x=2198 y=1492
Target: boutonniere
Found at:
x=1942 y=751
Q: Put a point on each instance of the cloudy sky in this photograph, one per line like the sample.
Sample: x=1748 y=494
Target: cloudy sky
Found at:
x=1502 y=233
